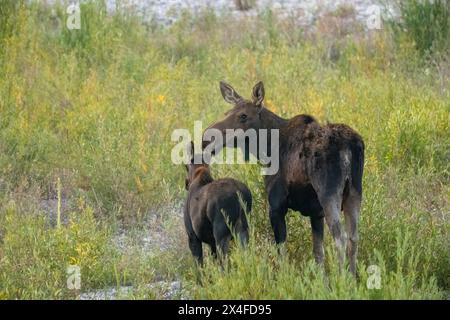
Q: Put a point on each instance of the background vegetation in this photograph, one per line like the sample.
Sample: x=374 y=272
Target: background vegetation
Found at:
x=95 y=108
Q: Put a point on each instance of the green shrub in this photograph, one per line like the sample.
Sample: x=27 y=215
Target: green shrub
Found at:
x=34 y=257
x=427 y=23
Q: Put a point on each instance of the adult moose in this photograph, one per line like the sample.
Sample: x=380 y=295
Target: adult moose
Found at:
x=320 y=170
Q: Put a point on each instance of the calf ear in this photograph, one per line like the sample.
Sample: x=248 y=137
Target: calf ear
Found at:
x=229 y=94
x=192 y=148
x=258 y=94
x=190 y=152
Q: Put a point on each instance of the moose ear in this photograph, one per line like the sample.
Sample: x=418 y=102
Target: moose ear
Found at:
x=229 y=94
x=258 y=94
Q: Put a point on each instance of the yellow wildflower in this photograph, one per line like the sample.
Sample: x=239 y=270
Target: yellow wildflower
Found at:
x=161 y=98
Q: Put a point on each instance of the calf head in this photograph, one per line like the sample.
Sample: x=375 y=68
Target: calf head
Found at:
x=194 y=170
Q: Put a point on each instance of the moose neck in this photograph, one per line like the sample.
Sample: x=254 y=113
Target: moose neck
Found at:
x=270 y=120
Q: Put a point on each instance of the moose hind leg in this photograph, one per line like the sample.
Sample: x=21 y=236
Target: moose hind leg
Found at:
x=332 y=209
x=352 y=207
x=317 y=235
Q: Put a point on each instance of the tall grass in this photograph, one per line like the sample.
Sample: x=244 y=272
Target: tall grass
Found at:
x=95 y=108
x=427 y=22
x=261 y=273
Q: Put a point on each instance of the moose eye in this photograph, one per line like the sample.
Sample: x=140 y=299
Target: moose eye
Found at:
x=243 y=117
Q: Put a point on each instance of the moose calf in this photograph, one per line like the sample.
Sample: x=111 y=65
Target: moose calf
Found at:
x=211 y=207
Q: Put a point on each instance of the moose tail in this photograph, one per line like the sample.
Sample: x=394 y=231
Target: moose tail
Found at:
x=357 y=165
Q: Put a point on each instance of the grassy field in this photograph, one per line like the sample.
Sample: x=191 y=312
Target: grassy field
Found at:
x=85 y=123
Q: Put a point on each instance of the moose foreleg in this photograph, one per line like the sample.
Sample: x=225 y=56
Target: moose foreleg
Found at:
x=278 y=209
x=278 y=222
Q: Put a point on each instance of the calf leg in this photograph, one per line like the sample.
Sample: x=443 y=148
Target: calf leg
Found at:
x=195 y=245
x=213 y=250
x=317 y=235
x=243 y=237
x=222 y=236
x=352 y=207
x=224 y=245
x=196 y=248
x=241 y=229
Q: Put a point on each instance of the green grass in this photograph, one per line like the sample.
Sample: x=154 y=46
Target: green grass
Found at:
x=96 y=107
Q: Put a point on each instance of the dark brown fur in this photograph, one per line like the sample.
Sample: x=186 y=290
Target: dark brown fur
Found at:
x=321 y=169
x=210 y=205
